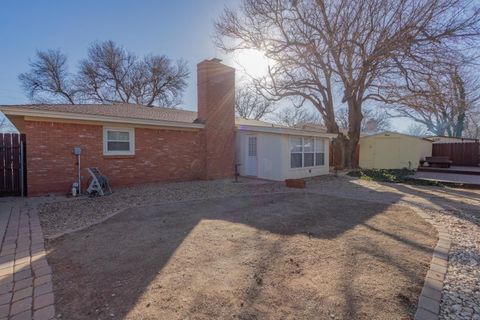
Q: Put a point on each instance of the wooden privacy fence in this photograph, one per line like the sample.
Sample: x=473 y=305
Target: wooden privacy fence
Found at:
x=462 y=154
x=336 y=157
x=12 y=160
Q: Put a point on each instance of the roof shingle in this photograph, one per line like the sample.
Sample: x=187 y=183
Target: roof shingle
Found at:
x=115 y=110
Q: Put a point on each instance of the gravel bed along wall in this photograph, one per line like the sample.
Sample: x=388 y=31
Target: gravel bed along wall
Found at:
x=58 y=217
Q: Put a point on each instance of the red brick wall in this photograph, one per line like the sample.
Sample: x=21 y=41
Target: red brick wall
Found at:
x=216 y=108
x=160 y=155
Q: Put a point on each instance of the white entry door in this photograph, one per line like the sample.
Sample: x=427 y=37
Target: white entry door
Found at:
x=251 y=166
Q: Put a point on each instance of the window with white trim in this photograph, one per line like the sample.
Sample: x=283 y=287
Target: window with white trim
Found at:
x=252 y=146
x=307 y=152
x=118 y=141
x=296 y=152
x=319 y=152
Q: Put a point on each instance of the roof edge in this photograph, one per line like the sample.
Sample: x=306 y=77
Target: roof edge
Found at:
x=457 y=138
x=101 y=118
x=398 y=133
x=291 y=131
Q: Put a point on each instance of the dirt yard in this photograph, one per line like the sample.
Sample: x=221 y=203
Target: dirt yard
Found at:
x=283 y=256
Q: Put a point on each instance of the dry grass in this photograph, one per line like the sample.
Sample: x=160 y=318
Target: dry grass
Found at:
x=290 y=256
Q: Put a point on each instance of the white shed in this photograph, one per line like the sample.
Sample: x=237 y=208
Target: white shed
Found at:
x=393 y=150
x=273 y=152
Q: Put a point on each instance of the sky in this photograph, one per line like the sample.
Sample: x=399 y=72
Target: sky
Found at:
x=177 y=29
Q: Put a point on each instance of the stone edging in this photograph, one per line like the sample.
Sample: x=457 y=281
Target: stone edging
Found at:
x=429 y=302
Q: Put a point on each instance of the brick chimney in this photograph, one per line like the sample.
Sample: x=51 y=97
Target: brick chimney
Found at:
x=216 y=108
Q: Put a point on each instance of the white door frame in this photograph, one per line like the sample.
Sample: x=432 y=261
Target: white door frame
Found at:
x=251 y=155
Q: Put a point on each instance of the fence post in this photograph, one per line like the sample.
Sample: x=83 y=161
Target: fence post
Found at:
x=22 y=168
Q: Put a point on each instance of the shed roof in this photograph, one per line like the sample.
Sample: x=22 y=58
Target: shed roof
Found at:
x=393 y=133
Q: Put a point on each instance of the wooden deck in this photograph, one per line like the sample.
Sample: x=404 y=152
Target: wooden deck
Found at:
x=452 y=170
x=468 y=180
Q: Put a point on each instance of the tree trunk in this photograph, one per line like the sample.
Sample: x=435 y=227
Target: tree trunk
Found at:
x=339 y=151
x=345 y=146
x=344 y=153
x=459 y=126
x=355 y=118
x=351 y=154
x=462 y=105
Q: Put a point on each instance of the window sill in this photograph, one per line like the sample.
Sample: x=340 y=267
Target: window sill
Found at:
x=307 y=168
x=118 y=156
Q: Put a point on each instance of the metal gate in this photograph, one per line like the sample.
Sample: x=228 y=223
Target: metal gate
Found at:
x=12 y=164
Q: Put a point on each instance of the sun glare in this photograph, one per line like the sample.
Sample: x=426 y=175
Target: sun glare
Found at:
x=252 y=62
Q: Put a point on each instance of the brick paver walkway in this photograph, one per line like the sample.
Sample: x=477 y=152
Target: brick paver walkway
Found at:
x=26 y=290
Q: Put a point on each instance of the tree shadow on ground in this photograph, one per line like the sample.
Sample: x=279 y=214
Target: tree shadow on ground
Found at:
x=245 y=257
x=458 y=192
x=452 y=201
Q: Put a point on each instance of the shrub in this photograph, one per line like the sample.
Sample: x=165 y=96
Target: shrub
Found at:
x=390 y=175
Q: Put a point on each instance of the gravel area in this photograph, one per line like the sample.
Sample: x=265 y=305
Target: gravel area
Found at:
x=457 y=209
x=63 y=215
x=461 y=292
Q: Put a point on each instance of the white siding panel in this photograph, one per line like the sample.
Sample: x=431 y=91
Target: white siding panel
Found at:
x=269 y=156
x=273 y=156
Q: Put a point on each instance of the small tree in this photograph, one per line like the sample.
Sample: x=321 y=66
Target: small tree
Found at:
x=109 y=74
x=48 y=78
x=373 y=120
x=417 y=129
x=251 y=105
x=438 y=99
x=472 y=129
x=294 y=116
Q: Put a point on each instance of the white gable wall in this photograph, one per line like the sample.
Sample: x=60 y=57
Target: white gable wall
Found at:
x=269 y=160
x=273 y=157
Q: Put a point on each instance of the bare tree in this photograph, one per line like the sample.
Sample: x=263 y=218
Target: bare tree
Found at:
x=48 y=78
x=251 y=105
x=472 y=129
x=294 y=116
x=417 y=129
x=373 y=120
x=109 y=74
x=440 y=100
x=351 y=46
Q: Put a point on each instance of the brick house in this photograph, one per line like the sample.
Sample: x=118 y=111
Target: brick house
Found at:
x=134 y=144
